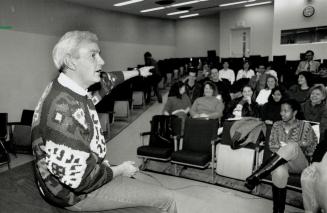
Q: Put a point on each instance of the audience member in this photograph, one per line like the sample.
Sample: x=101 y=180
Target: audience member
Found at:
x=270 y=112
x=270 y=71
x=246 y=72
x=271 y=83
x=154 y=79
x=308 y=65
x=67 y=140
x=208 y=106
x=227 y=73
x=291 y=140
x=222 y=87
x=300 y=91
x=178 y=103
x=259 y=81
x=190 y=84
x=244 y=106
x=315 y=108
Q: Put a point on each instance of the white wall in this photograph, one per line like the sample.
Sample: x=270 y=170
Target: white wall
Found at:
x=259 y=19
x=25 y=54
x=288 y=15
x=195 y=36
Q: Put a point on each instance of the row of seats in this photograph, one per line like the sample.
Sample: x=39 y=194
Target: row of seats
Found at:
x=201 y=147
x=15 y=136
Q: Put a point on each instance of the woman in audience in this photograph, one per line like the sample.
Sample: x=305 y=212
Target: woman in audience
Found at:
x=315 y=108
x=270 y=112
x=208 y=106
x=271 y=83
x=300 y=91
x=178 y=103
x=244 y=106
x=246 y=72
x=291 y=140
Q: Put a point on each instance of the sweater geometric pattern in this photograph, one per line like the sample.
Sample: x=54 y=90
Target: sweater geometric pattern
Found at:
x=68 y=143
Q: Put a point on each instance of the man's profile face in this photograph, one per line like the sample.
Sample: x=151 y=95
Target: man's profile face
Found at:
x=89 y=63
x=309 y=56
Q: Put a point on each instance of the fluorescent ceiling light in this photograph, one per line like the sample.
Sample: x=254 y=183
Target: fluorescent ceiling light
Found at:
x=173 y=5
x=190 y=15
x=256 y=4
x=176 y=13
x=152 y=9
x=127 y=2
x=235 y=3
x=186 y=3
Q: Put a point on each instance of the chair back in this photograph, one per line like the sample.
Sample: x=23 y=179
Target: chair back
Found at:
x=27 y=117
x=198 y=134
x=3 y=125
x=163 y=128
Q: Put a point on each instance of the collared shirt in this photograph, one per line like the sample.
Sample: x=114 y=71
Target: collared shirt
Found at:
x=67 y=82
x=227 y=74
x=245 y=74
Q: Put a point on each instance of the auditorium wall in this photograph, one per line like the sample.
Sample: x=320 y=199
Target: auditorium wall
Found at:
x=29 y=30
x=289 y=15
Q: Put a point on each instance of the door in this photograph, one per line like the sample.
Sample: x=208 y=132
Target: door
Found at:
x=240 y=42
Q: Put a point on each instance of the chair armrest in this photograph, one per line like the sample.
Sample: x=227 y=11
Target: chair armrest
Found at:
x=14 y=123
x=145 y=133
x=215 y=141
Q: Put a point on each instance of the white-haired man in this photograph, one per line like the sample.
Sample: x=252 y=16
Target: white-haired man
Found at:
x=68 y=144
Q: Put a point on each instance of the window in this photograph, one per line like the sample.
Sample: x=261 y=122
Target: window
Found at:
x=304 y=35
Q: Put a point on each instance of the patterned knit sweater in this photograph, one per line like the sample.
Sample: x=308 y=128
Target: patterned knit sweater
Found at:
x=67 y=141
x=301 y=133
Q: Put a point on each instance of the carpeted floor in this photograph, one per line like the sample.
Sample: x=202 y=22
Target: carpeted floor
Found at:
x=294 y=198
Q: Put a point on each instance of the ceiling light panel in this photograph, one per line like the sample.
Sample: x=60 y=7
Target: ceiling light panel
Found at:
x=152 y=9
x=257 y=4
x=236 y=3
x=176 y=13
x=189 y=15
x=127 y=3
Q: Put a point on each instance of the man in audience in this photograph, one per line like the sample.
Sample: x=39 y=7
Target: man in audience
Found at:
x=154 y=79
x=227 y=73
x=308 y=64
x=68 y=145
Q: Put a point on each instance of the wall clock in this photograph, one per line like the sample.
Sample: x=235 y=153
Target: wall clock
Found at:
x=308 y=11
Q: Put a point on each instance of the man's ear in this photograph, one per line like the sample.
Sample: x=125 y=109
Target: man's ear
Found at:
x=69 y=62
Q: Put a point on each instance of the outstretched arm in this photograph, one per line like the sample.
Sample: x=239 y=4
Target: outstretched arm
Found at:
x=110 y=80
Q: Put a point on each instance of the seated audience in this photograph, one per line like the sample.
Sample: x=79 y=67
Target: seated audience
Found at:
x=208 y=106
x=178 y=103
x=244 y=106
x=315 y=108
x=291 y=140
x=270 y=112
x=227 y=73
x=246 y=72
x=314 y=186
x=308 y=65
x=222 y=87
x=300 y=91
x=271 y=83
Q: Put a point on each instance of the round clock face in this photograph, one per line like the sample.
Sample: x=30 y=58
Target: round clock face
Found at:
x=308 y=11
